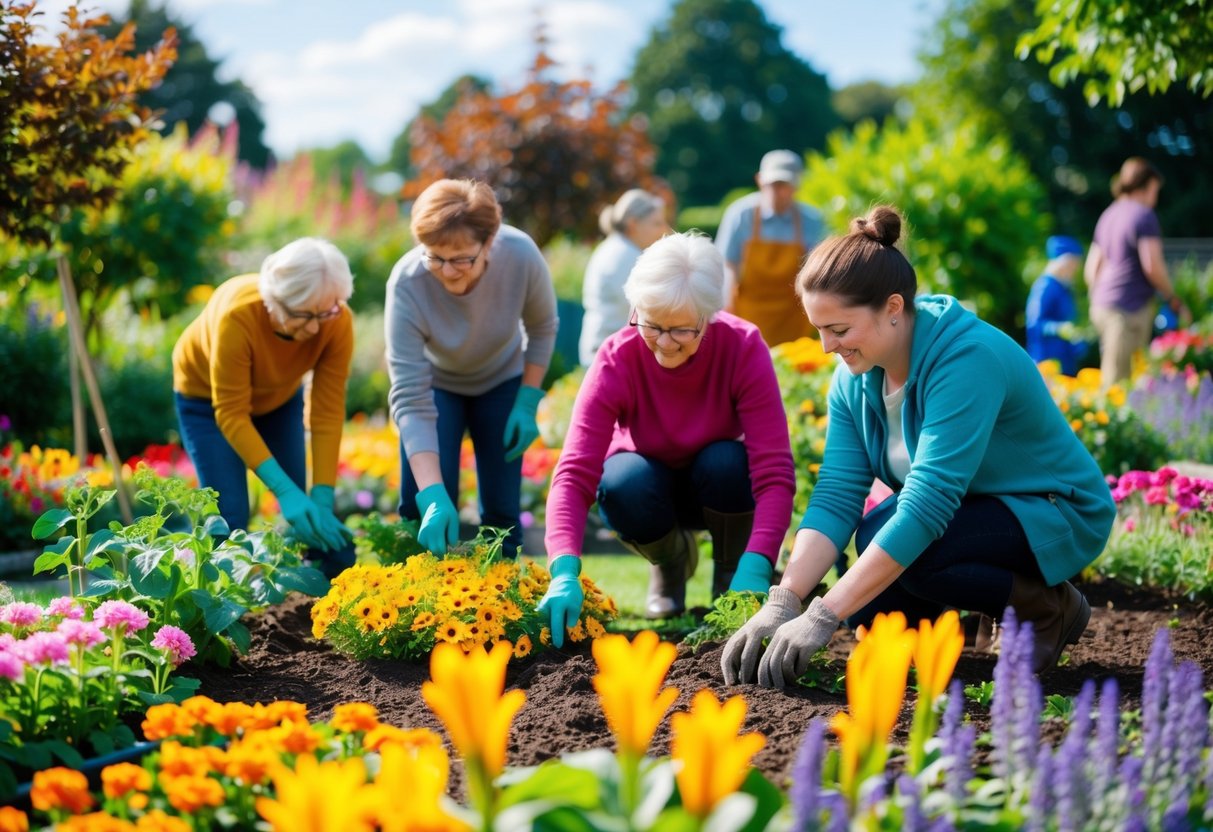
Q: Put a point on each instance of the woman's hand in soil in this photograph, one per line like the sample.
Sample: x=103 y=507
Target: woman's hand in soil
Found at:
x=794 y=643
x=439 y=520
x=562 y=602
x=739 y=662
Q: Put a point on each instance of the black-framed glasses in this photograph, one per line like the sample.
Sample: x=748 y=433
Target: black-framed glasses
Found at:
x=680 y=334
x=308 y=317
x=462 y=264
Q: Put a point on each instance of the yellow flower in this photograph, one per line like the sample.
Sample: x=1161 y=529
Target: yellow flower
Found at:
x=594 y=627
x=523 y=647
x=715 y=760
x=354 y=716
x=628 y=683
x=453 y=631
x=409 y=789
x=936 y=652
x=467 y=695
x=422 y=620
x=318 y=797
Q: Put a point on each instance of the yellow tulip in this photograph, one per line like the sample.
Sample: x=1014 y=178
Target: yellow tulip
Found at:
x=935 y=655
x=628 y=684
x=319 y=797
x=714 y=758
x=409 y=790
x=467 y=695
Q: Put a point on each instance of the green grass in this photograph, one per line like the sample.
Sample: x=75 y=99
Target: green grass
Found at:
x=36 y=592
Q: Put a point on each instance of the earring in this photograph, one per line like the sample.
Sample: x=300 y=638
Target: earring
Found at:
x=893 y=322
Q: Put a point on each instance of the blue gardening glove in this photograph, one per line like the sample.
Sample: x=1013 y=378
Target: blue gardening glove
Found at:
x=562 y=602
x=520 y=428
x=794 y=643
x=322 y=496
x=753 y=573
x=439 y=520
x=304 y=516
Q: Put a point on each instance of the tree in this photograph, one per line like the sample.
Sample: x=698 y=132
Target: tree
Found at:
x=1122 y=46
x=971 y=74
x=399 y=159
x=553 y=152
x=343 y=161
x=191 y=91
x=719 y=89
x=867 y=100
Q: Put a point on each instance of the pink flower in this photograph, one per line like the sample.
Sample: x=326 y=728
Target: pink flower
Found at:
x=1187 y=530
x=11 y=666
x=83 y=633
x=185 y=556
x=1157 y=495
x=1164 y=475
x=7 y=641
x=1130 y=524
x=176 y=642
x=43 y=648
x=120 y=616
x=21 y=614
x=65 y=606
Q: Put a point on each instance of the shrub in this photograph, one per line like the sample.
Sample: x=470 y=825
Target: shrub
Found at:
x=33 y=374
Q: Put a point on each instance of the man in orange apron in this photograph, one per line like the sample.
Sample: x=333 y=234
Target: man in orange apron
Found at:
x=764 y=237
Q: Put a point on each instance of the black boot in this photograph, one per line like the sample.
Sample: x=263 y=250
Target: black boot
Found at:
x=730 y=534
x=1059 y=615
x=674 y=558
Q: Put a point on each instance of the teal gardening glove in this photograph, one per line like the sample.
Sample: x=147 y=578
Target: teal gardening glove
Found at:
x=753 y=573
x=305 y=517
x=521 y=428
x=439 y=520
x=562 y=602
x=322 y=496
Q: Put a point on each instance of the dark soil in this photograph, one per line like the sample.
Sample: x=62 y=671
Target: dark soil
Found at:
x=562 y=713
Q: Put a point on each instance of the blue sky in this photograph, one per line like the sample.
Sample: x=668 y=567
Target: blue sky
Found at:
x=360 y=69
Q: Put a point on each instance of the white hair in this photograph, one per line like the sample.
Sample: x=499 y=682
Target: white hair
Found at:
x=635 y=204
x=678 y=271
x=300 y=270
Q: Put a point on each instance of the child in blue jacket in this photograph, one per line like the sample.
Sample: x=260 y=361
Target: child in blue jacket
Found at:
x=1051 y=332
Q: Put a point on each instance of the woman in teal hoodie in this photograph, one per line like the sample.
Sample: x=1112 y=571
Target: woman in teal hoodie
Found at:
x=995 y=501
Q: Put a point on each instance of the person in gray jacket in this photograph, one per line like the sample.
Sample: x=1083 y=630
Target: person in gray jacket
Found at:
x=471 y=324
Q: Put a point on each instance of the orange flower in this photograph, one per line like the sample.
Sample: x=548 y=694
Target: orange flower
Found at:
x=629 y=687
x=13 y=820
x=189 y=794
x=408 y=791
x=157 y=821
x=177 y=760
x=232 y=718
x=167 y=720
x=318 y=797
x=60 y=788
x=715 y=760
x=355 y=716
x=203 y=709
x=122 y=779
x=94 y=822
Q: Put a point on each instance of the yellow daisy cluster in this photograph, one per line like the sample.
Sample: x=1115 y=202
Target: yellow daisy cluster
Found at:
x=1100 y=417
x=403 y=610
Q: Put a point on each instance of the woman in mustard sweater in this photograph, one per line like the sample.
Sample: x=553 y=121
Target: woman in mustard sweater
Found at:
x=238 y=372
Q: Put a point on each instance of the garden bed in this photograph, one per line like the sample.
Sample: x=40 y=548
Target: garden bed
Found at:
x=562 y=712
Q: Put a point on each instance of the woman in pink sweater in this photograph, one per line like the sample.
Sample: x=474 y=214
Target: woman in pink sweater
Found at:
x=679 y=425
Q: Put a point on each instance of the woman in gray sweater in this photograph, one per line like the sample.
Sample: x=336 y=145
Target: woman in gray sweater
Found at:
x=471 y=326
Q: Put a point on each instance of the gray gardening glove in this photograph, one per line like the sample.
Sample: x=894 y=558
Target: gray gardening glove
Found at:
x=740 y=658
x=787 y=657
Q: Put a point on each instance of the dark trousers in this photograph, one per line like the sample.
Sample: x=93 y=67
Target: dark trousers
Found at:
x=221 y=468
x=498 y=483
x=969 y=567
x=642 y=499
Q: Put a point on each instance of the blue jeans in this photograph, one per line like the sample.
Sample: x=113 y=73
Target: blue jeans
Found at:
x=969 y=567
x=499 y=483
x=642 y=499
x=221 y=468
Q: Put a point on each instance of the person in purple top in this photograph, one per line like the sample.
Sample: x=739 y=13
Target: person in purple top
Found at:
x=679 y=425
x=1125 y=268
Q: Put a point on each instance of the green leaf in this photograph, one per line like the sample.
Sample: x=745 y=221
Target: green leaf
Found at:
x=68 y=755
x=567 y=819
x=306 y=579
x=219 y=613
x=54 y=556
x=676 y=819
x=183 y=687
x=100 y=543
x=240 y=636
x=99 y=588
x=573 y=786
x=101 y=742
x=51 y=522
x=8 y=783
x=768 y=799
x=154 y=585
x=216 y=526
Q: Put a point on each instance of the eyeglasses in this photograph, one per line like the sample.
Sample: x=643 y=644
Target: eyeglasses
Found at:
x=435 y=263
x=680 y=334
x=308 y=317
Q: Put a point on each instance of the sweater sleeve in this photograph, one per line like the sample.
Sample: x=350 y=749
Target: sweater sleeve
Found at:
x=952 y=443
x=232 y=390
x=539 y=317
x=411 y=395
x=579 y=470
x=327 y=400
x=759 y=406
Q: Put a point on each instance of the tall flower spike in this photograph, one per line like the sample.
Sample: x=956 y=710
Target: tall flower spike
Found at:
x=805 y=792
x=629 y=682
x=714 y=758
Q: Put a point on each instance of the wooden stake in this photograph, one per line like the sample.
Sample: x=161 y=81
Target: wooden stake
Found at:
x=79 y=428
x=72 y=308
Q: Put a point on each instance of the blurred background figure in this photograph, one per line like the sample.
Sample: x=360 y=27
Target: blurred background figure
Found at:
x=764 y=237
x=632 y=224
x=1125 y=268
x=1052 y=331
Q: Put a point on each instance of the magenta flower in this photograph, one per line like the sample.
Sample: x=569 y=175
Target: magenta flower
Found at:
x=84 y=633
x=1130 y=524
x=11 y=666
x=7 y=641
x=176 y=642
x=43 y=648
x=1157 y=495
x=121 y=616
x=21 y=614
x=364 y=499
x=65 y=606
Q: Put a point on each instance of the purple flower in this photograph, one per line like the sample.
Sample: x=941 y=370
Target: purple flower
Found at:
x=912 y=819
x=1107 y=737
x=43 y=648
x=1153 y=700
x=12 y=667
x=527 y=519
x=82 y=633
x=120 y=616
x=364 y=499
x=21 y=614
x=176 y=642
x=805 y=793
x=65 y=606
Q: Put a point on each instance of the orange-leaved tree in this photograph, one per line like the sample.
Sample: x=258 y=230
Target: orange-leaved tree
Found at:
x=553 y=151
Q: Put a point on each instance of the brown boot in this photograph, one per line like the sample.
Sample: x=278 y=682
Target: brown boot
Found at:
x=674 y=558
x=1059 y=615
x=730 y=534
